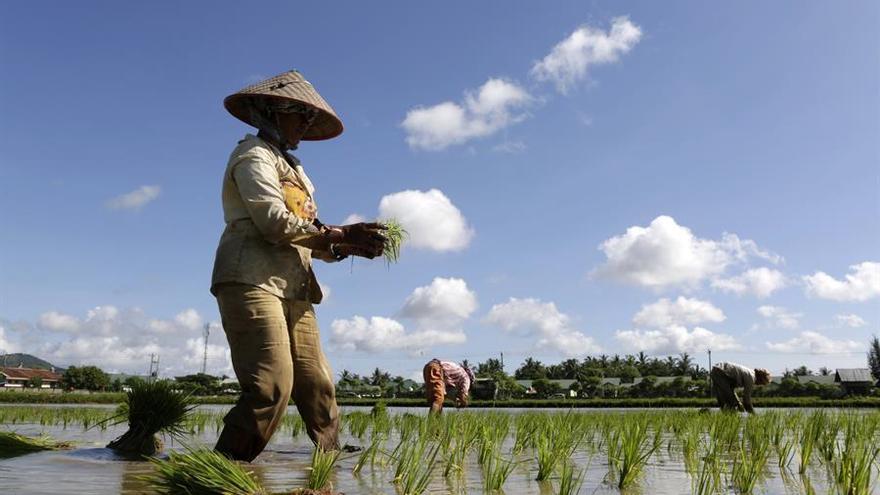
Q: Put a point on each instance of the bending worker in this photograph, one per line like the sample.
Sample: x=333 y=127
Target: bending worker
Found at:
x=441 y=374
x=726 y=377
x=263 y=277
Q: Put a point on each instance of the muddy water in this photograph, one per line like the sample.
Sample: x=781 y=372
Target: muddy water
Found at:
x=92 y=469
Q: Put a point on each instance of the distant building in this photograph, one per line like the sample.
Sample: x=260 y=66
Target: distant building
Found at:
x=19 y=378
x=854 y=380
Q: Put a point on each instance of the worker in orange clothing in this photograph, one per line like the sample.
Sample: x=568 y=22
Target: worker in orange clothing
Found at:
x=441 y=374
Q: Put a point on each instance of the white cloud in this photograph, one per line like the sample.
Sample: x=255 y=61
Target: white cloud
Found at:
x=134 y=200
x=816 y=343
x=761 y=282
x=675 y=339
x=59 y=322
x=446 y=300
x=189 y=319
x=430 y=218
x=542 y=320
x=666 y=254
x=781 y=317
x=379 y=334
x=438 y=311
x=851 y=320
x=860 y=285
x=570 y=60
x=121 y=340
x=6 y=345
x=682 y=311
x=496 y=105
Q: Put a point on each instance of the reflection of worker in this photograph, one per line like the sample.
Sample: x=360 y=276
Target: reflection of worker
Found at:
x=441 y=374
x=728 y=376
x=263 y=277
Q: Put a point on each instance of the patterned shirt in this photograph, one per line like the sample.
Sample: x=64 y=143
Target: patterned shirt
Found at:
x=456 y=376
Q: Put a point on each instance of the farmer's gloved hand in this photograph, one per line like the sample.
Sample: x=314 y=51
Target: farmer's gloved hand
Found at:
x=346 y=250
x=367 y=237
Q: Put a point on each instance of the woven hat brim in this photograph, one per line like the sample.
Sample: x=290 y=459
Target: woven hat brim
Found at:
x=289 y=86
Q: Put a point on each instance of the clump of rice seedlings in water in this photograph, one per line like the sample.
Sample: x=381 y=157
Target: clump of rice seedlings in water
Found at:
x=396 y=235
x=202 y=472
x=13 y=444
x=853 y=465
x=369 y=453
x=151 y=408
x=749 y=462
x=708 y=480
x=629 y=449
x=570 y=482
x=322 y=465
x=812 y=430
x=496 y=471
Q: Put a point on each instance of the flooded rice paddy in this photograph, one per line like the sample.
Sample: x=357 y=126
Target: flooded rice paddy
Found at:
x=588 y=452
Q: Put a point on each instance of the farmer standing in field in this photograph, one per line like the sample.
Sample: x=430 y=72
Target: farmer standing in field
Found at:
x=441 y=374
x=263 y=277
x=726 y=377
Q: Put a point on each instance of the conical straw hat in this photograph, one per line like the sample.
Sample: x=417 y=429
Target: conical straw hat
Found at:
x=289 y=86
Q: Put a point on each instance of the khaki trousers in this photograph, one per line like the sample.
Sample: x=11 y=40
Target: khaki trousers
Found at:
x=276 y=353
x=435 y=385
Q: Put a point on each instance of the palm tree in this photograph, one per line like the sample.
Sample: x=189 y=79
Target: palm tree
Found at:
x=684 y=363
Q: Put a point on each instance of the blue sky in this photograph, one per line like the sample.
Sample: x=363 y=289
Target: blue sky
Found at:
x=592 y=177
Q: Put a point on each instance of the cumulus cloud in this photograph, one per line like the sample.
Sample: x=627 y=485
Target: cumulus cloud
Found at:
x=496 y=105
x=674 y=339
x=444 y=300
x=815 y=343
x=430 y=218
x=552 y=328
x=121 y=340
x=851 y=320
x=761 y=282
x=780 y=317
x=437 y=310
x=58 y=322
x=569 y=61
x=682 y=311
x=666 y=254
x=862 y=284
x=134 y=200
x=379 y=334
x=6 y=345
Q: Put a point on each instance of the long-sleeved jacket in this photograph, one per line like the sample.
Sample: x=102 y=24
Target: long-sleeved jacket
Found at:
x=256 y=247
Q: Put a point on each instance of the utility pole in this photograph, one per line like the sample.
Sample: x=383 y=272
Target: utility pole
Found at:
x=710 y=368
x=502 y=361
x=154 y=367
x=206 y=333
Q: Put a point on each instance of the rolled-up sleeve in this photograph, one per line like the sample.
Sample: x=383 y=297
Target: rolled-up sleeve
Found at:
x=258 y=184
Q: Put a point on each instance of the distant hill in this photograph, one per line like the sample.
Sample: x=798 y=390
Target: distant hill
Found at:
x=27 y=361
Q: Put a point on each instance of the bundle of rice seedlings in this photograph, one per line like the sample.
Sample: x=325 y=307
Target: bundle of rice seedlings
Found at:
x=322 y=465
x=151 y=408
x=396 y=235
x=13 y=444
x=202 y=472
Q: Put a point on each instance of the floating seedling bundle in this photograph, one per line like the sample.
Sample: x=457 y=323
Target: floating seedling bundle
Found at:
x=151 y=408
x=13 y=444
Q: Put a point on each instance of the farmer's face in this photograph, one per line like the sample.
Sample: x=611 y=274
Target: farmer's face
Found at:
x=292 y=127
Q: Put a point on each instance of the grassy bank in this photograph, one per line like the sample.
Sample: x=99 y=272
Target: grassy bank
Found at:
x=115 y=398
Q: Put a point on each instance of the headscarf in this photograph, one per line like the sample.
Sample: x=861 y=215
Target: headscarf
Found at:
x=264 y=115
